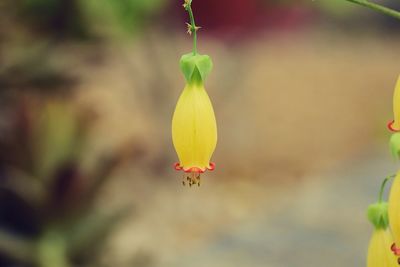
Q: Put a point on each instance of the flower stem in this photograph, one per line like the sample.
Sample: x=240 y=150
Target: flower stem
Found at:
x=387 y=179
x=188 y=8
x=379 y=8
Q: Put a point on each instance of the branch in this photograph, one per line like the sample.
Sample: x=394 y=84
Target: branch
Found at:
x=376 y=7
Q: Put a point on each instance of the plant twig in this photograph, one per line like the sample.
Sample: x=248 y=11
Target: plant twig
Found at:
x=192 y=29
x=377 y=7
x=387 y=179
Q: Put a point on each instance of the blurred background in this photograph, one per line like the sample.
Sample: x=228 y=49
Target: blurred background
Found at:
x=302 y=92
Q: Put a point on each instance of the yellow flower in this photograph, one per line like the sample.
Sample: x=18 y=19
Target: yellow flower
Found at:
x=394 y=209
x=395 y=124
x=194 y=128
x=379 y=253
x=381 y=250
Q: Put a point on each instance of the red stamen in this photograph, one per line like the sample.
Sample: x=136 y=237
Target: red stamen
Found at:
x=390 y=126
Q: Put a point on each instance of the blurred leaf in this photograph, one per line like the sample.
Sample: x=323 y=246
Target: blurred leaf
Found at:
x=16 y=248
x=112 y=16
x=88 y=236
x=57 y=139
x=25 y=187
x=52 y=250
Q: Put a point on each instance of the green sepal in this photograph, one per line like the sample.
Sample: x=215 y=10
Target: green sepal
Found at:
x=190 y=62
x=395 y=145
x=378 y=215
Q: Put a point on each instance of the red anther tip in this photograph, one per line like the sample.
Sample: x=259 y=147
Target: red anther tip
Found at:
x=212 y=166
x=390 y=126
x=177 y=166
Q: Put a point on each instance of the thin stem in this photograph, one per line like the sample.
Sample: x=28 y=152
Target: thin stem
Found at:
x=379 y=8
x=387 y=179
x=193 y=26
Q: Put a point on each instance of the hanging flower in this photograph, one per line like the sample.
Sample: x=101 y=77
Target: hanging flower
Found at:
x=379 y=250
x=194 y=128
x=394 y=125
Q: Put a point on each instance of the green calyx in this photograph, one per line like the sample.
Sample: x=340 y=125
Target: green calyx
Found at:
x=378 y=215
x=196 y=67
x=395 y=145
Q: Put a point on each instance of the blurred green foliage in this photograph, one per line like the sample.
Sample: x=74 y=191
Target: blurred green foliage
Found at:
x=117 y=15
x=79 y=18
x=48 y=191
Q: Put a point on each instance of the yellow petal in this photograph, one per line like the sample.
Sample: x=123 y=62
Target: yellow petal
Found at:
x=394 y=209
x=379 y=253
x=194 y=128
x=396 y=106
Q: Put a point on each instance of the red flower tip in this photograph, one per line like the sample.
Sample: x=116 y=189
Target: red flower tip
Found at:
x=212 y=166
x=178 y=167
x=390 y=126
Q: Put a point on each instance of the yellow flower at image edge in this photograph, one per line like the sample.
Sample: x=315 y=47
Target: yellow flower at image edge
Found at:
x=194 y=127
x=380 y=250
x=394 y=125
x=394 y=211
x=379 y=254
